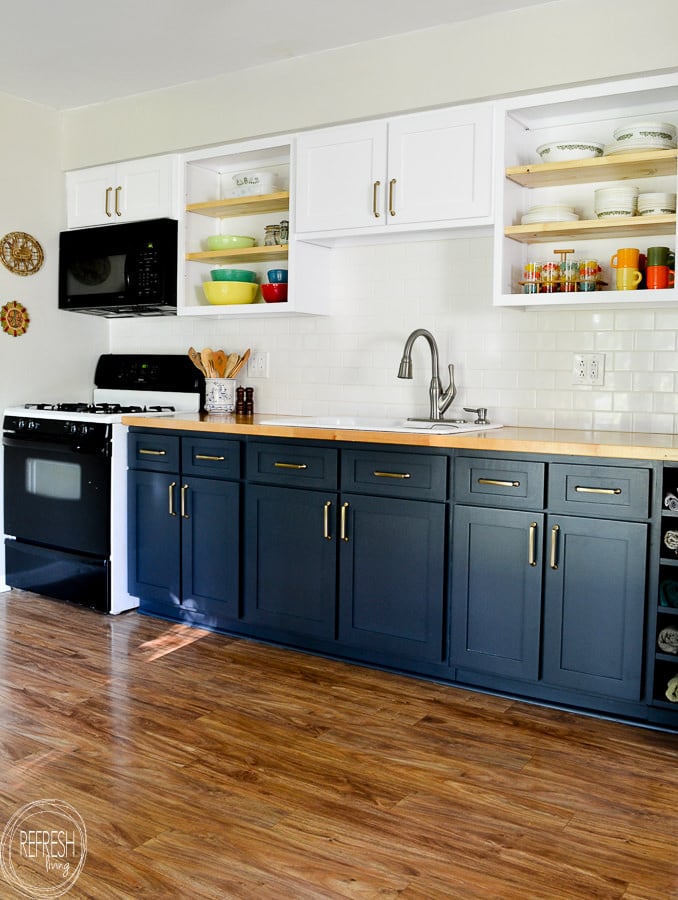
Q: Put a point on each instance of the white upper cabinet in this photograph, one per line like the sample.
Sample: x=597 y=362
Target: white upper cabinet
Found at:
x=426 y=170
x=124 y=192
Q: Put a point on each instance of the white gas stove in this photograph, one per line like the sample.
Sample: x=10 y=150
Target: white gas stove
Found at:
x=66 y=476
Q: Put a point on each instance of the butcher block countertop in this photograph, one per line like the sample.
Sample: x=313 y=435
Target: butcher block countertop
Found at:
x=604 y=444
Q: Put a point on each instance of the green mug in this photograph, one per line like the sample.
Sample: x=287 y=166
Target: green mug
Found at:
x=658 y=256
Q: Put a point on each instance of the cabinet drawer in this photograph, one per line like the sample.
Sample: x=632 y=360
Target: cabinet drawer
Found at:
x=294 y=464
x=214 y=457
x=147 y=450
x=611 y=491
x=498 y=482
x=394 y=474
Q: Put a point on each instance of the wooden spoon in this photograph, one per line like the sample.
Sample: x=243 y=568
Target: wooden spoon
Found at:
x=206 y=357
x=219 y=361
x=194 y=356
x=231 y=362
x=241 y=362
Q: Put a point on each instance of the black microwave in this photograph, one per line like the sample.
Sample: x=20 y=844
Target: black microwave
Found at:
x=118 y=271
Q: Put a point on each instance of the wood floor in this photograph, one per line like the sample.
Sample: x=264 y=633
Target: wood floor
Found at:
x=207 y=767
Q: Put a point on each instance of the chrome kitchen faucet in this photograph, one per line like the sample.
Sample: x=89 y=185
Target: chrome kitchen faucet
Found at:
x=439 y=400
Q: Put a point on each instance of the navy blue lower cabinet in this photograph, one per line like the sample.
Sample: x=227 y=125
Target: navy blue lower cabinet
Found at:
x=154 y=539
x=290 y=560
x=594 y=605
x=496 y=591
x=184 y=547
x=391 y=576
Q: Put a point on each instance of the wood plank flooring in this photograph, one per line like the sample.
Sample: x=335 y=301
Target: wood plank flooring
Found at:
x=209 y=767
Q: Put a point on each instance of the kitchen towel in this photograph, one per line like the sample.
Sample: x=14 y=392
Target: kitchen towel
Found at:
x=672 y=690
x=668 y=593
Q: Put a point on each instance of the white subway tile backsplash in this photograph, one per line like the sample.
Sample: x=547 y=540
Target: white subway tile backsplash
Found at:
x=516 y=363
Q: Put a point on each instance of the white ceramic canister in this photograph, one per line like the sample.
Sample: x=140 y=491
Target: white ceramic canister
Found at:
x=220 y=395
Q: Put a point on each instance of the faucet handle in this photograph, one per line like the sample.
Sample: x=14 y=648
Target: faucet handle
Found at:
x=481 y=412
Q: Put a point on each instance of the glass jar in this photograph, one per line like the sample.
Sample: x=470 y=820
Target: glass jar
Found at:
x=271 y=235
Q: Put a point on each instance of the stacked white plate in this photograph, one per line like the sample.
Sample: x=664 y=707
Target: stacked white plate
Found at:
x=615 y=201
x=641 y=136
x=656 y=204
x=551 y=212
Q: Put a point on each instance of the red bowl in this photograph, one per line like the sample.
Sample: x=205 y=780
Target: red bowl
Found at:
x=274 y=293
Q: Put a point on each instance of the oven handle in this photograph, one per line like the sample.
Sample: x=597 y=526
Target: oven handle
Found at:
x=68 y=446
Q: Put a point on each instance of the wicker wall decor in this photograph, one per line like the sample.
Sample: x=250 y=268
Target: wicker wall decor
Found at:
x=14 y=318
x=21 y=253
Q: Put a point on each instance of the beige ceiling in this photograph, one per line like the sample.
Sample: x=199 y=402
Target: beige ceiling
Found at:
x=70 y=53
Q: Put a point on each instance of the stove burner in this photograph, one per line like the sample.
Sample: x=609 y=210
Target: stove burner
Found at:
x=107 y=409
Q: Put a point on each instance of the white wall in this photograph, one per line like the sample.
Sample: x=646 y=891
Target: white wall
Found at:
x=54 y=359
x=517 y=364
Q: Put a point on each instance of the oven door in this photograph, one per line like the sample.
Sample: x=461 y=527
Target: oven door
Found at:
x=57 y=494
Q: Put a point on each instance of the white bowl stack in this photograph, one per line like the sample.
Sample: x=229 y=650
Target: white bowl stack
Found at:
x=656 y=204
x=640 y=136
x=615 y=201
x=569 y=149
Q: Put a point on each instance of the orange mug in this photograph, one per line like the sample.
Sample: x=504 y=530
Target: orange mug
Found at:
x=628 y=279
x=627 y=257
x=659 y=277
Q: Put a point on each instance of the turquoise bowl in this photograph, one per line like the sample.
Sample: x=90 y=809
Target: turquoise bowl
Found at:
x=233 y=275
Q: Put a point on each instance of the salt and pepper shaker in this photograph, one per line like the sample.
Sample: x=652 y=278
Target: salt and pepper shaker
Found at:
x=240 y=401
x=249 y=401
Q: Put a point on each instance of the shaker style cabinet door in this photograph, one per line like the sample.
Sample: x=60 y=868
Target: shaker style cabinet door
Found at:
x=496 y=591
x=440 y=166
x=341 y=178
x=594 y=605
x=391 y=576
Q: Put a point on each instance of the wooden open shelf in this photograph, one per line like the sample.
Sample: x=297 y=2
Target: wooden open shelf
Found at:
x=246 y=254
x=593 y=228
x=648 y=164
x=242 y=206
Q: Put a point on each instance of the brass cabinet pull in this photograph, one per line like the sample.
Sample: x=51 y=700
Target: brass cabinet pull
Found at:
x=375 y=192
x=531 y=544
x=108 y=202
x=391 y=474
x=184 y=490
x=144 y=452
x=211 y=458
x=326 y=520
x=554 y=547
x=117 y=201
x=170 y=498
x=391 y=191
x=282 y=465
x=342 y=532
x=580 y=489
x=499 y=483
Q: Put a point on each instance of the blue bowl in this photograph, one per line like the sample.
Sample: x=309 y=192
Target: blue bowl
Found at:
x=277 y=276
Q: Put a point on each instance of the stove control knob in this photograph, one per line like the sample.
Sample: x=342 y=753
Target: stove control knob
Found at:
x=33 y=425
x=21 y=424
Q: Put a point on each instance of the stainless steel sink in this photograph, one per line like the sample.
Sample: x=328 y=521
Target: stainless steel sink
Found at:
x=368 y=423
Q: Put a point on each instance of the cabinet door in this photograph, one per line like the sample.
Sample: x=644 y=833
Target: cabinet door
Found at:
x=337 y=174
x=440 y=166
x=496 y=591
x=146 y=188
x=154 y=556
x=89 y=196
x=594 y=605
x=391 y=576
x=290 y=557
x=210 y=549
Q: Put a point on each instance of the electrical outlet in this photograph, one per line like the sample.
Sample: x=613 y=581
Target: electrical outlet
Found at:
x=588 y=368
x=257 y=364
